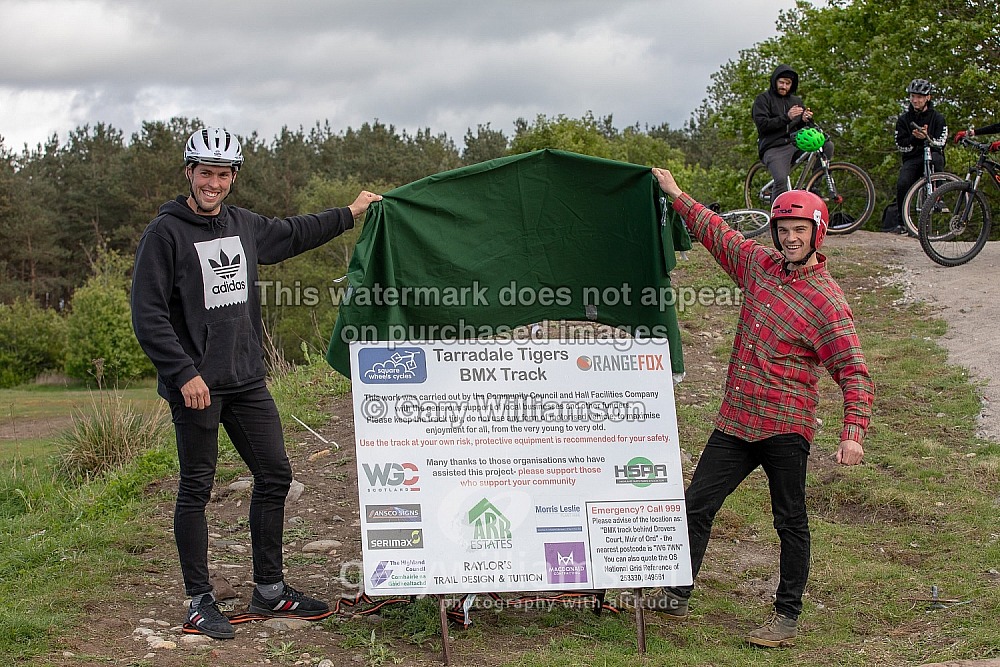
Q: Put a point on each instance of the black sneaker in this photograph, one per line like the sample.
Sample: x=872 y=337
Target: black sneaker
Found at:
x=207 y=618
x=289 y=603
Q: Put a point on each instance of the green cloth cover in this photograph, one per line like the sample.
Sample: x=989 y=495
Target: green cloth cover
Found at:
x=442 y=257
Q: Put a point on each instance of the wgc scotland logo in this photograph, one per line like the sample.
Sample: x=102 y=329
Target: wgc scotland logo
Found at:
x=401 y=365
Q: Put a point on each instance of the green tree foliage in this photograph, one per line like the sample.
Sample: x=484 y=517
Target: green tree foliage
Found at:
x=485 y=144
x=100 y=326
x=854 y=60
x=155 y=168
x=600 y=138
x=301 y=294
x=274 y=172
x=32 y=341
x=32 y=259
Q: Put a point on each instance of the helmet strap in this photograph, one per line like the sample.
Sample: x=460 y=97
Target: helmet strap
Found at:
x=789 y=266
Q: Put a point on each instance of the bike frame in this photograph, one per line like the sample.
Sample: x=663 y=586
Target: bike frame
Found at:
x=975 y=174
x=928 y=169
x=810 y=158
x=975 y=177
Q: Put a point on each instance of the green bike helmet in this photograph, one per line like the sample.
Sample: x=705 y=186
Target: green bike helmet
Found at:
x=809 y=139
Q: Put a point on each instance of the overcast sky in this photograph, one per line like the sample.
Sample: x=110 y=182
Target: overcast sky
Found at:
x=447 y=65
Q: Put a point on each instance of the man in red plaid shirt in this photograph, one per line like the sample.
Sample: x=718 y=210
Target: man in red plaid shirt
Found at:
x=794 y=319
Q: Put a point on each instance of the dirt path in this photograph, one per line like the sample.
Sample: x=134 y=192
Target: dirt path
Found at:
x=964 y=297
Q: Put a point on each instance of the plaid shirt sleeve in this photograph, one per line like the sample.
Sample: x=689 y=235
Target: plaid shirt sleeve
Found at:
x=839 y=350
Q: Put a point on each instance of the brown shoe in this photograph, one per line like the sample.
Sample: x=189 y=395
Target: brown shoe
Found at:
x=659 y=599
x=778 y=632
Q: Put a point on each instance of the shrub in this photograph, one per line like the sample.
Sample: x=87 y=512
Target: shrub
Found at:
x=110 y=436
x=100 y=326
x=32 y=341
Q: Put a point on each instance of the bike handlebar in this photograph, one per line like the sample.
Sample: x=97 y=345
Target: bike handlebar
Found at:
x=972 y=143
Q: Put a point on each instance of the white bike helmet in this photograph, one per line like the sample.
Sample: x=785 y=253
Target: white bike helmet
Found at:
x=214 y=146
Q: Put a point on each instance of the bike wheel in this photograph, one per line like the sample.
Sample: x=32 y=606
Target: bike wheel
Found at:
x=917 y=195
x=757 y=187
x=750 y=222
x=850 y=198
x=954 y=224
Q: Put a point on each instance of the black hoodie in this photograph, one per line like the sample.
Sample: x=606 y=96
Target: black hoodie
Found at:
x=770 y=112
x=909 y=146
x=195 y=305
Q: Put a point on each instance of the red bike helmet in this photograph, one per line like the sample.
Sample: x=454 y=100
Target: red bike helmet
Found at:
x=804 y=205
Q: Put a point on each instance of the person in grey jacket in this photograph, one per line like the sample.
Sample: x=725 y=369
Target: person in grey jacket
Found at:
x=778 y=114
x=196 y=312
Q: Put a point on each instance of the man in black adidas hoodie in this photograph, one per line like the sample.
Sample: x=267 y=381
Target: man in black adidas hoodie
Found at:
x=778 y=114
x=196 y=312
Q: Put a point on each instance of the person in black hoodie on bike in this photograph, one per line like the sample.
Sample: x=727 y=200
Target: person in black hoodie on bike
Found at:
x=196 y=312
x=778 y=114
x=919 y=123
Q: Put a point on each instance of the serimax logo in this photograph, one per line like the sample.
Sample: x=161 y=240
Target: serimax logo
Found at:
x=604 y=363
x=392 y=476
x=396 y=539
x=401 y=365
x=641 y=472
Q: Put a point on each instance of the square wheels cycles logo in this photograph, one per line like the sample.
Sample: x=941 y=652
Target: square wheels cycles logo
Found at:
x=400 y=365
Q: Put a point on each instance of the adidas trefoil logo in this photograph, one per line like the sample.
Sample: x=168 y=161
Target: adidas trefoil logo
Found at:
x=225 y=268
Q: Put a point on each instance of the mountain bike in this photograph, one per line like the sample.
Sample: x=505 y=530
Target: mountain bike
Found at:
x=846 y=188
x=751 y=222
x=923 y=188
x=955 y=222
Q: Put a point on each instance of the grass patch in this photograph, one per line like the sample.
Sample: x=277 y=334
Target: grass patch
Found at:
x=920 y=512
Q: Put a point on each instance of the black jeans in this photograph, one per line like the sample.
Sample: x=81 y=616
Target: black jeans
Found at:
x=779 y=161
x=724 y=464
x=251 y=420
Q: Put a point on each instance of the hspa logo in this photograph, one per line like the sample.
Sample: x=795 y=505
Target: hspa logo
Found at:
x=641 y=472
